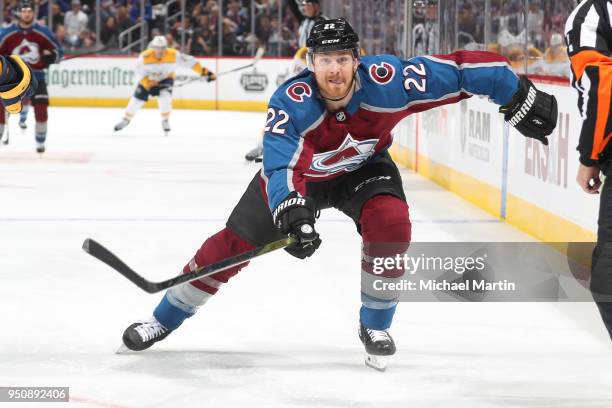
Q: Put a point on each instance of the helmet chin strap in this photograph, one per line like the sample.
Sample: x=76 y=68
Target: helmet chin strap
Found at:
x=352 y=85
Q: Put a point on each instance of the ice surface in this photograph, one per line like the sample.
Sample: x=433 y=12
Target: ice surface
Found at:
x=283 y=332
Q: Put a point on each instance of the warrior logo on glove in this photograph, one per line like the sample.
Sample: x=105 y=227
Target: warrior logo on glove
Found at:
x=531 y=111
x=295 y=216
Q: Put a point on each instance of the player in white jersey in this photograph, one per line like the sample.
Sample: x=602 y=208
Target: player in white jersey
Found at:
x=156 y=68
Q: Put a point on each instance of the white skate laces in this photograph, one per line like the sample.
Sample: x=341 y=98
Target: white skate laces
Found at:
x=150 y=330
x=378 y=335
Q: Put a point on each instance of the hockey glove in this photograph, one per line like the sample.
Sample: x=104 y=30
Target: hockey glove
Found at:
x=209 y=75
x=16 y=82
x=49 y=57
x=531 y=111
x=296 y=216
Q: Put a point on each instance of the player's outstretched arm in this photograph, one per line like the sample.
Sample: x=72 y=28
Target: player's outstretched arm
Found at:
x=442 y=79
x=16 y=82
x=192 y=63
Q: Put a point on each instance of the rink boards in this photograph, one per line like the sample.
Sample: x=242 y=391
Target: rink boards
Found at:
x=470 y=150
x=110 y=81
x=465 y=147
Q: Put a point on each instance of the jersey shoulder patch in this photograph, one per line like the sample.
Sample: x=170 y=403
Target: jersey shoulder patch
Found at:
x=381 y=69
x=381 y=81
x=44 y=30
x=297 y=97
x=7 y=31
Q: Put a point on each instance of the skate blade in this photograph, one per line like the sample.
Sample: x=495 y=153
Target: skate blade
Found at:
x=376 y=362
x=123 y=349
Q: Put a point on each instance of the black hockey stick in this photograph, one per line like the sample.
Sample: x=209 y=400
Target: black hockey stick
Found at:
x=98 y=251
x=84 y=54
x=258 y=55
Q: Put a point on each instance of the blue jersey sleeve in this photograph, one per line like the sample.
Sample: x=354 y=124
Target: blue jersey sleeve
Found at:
x=53 y=40
x=443 y=78
x=283 y=153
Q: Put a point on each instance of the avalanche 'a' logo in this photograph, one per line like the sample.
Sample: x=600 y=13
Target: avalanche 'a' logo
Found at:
x=351 y=155
x=298 y=91
x=28 y=51
x=383 y=73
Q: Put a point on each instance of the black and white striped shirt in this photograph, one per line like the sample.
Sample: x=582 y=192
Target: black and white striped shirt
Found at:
x=306 y=23
x=588 y=27
x=588 y=34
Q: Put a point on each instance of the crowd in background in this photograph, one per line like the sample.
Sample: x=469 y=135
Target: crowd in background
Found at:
x=532 y=40
x=74 y=24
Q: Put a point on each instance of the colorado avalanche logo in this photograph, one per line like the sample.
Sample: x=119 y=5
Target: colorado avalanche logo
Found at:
x=383 y=73
x=28 y=51
x=351 y=155
x=298 y=91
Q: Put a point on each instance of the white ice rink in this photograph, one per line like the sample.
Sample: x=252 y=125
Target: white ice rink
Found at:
x=283 y=332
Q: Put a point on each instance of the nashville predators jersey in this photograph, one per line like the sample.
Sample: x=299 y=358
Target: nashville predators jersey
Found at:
x=151 y=68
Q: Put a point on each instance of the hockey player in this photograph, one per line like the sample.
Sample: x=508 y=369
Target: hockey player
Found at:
x=156 y=67
x=588 y=33
x=17 y=82
x=39 y=48
x=325 y=145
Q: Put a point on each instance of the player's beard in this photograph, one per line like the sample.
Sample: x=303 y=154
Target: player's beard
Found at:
x=336 y=89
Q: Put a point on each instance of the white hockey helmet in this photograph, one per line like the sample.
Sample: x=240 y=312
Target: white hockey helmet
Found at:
x=159 y=42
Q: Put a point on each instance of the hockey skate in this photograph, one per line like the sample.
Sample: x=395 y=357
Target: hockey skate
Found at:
x=124 y=122
x=166 y=127
x=254 y=154
x=142 y=335
x=40 y=147
x=379 y=346
x=22 y=124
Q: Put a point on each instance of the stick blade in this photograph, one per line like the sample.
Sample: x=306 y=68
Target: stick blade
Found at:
x=86 y=244
x=99 y=252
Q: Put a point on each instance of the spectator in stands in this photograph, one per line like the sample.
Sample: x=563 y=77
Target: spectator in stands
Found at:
x=196 y=11
x=180 y=28
x=171 y=41
x=123 y=19
x=239 y=15
x=135 y=12
x=60 y=35
x=197 y=44
x=109 y=35
x=472 y=32
x=57 y=16
x=107 y=9
x=43 y=9
x=263 y=29
x=229 y=42
x=87 y=39
x=557 y=51
x=535 y=23
x=75 y=22
x=555 y=57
